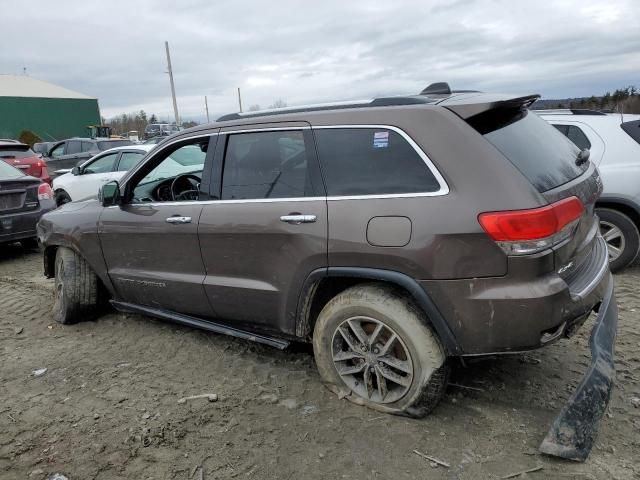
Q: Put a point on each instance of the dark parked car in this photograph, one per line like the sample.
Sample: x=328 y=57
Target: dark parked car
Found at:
x=21 y=156
x=394 y=235
x=67 y=154
x=160 y=130
x=23 y=200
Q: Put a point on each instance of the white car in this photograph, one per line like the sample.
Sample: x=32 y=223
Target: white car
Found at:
x=614 y=144
x=83 y=182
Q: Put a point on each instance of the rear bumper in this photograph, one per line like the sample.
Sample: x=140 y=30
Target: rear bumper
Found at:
x=574 y=430
x=524 y=310
x=21 y=225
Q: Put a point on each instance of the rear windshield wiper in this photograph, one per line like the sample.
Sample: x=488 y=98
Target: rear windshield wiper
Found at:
x=583 y=157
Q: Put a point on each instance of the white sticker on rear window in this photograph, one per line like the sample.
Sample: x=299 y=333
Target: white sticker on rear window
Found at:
x=380 y=139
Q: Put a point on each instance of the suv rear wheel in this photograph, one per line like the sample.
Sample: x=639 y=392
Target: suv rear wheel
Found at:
x=374 y=347
x=621 y=235
x=75 y=288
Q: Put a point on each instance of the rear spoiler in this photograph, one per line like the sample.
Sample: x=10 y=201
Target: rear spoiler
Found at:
x=466 y=106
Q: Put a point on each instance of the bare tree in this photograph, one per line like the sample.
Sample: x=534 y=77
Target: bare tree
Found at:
x=279 y=103
x=254 y=108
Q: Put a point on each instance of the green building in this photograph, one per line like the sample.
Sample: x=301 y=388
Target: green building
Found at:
x=49 y=111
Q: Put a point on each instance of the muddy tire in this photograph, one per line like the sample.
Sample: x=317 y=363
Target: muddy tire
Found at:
x=373 y=346
x=621 y=235
x=75 y=289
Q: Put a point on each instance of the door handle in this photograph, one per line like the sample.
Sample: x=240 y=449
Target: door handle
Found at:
x=178 y=219
x=296 y=219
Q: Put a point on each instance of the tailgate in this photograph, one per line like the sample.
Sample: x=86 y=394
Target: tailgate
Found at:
x=575 y=252
x=18 y=195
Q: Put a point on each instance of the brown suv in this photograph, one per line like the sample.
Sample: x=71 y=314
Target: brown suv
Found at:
x=393 y=234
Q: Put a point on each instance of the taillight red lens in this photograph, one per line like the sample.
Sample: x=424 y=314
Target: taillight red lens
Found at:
x=534 y=224
x=45 y=192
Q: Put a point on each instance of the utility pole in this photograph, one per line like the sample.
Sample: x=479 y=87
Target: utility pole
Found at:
x=206 y=107
x=173 y=88
x=239 y=100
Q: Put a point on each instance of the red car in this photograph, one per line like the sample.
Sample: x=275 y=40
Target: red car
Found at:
x=21 y=156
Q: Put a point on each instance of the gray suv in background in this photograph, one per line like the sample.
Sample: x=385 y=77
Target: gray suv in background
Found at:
x=67 y=154
x=394 y=235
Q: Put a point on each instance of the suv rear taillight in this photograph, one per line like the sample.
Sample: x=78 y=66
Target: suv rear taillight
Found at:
x=522 y=232
x=45 y=192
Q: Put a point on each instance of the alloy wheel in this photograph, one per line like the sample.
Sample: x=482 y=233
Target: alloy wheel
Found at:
x=372 y=359
x=615 y=239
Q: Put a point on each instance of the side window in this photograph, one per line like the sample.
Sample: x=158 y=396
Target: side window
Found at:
x=575 y=134
x=58 y=151
x=128 y=160
x=174 y=174
x=103 y=164
x=563 y=129
x=371 y=161
x=87 y=147
x=265 y=165
x=73 y=146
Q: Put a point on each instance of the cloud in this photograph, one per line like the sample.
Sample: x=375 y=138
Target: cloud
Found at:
x=318 y=52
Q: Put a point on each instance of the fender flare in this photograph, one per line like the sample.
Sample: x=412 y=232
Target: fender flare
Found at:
x=419 y=295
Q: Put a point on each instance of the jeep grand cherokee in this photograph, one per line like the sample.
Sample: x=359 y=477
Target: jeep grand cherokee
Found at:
x=392 y=234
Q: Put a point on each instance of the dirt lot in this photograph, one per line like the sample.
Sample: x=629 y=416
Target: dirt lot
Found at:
x=107 y=405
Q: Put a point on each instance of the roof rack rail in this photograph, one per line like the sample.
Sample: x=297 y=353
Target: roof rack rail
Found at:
x=376 y=102
x=428 y=95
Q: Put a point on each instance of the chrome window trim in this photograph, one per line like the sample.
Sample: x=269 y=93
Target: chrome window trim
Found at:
x=265 y=129
x=443 y=190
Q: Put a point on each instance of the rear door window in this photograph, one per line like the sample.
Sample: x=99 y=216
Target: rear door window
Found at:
x=104 y=164
x=266 y=165
x=533 y=146
x=73 y=146
x=128 y=160
x=371 y=161
x=88 y=146
x=575 y=134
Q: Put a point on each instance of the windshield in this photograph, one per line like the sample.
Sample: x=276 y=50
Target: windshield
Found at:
x=16 y=151
x=170 y=168
x=7 y=171
x=107 y=144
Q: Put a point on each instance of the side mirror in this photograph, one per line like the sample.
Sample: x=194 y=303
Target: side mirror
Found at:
x=75 y=171
x=109 y=194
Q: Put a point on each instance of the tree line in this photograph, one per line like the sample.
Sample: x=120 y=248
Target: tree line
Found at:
x=622 y=100
x=138 y=121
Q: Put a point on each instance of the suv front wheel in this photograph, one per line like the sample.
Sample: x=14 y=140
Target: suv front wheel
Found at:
x=374 y=347
x=75 y=288
x=621 y=235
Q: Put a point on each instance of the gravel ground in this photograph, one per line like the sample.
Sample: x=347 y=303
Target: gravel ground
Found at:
x=107 y=405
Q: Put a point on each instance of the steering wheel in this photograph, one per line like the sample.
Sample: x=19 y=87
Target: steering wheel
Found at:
x=192 y=193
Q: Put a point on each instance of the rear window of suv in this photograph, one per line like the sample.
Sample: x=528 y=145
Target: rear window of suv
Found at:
x=16 y=151
x=541 y=153
x=371 y=161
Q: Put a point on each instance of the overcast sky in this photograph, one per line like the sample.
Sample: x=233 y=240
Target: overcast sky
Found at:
x=309 y=52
